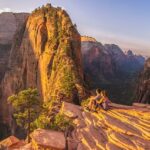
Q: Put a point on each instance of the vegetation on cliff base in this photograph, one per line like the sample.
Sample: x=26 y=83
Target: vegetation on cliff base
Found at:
x=27 y=107
x=51 y=117
x=30 y=113
x=85 y=102
x=68 y=82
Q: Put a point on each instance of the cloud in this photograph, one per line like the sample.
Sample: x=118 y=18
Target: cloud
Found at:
x=5 y=10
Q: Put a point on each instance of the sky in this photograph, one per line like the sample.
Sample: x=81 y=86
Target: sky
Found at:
x=122 y=22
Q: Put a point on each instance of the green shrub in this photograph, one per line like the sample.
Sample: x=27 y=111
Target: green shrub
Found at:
x=85 y=103
x=68 y=82
x=61 y=123
x=58 y=122
x=42 y=122
x=49 y=119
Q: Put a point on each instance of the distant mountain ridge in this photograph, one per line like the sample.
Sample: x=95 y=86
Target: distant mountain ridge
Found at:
x=107 y=66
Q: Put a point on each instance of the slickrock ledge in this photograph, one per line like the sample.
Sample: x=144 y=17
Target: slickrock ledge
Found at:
x=120 y=128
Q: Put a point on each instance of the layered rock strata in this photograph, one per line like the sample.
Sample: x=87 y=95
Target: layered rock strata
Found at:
x=120 y=128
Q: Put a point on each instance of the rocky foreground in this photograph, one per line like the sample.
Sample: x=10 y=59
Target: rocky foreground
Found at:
x=120 y=128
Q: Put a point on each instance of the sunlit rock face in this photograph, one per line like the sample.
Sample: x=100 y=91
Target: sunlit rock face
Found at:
x=46 y=54
x=108 y=67
x=88 y=39
x=48 y=139
x=8 y=142
x=9 y=24
x=143 y=90
x=120 y=128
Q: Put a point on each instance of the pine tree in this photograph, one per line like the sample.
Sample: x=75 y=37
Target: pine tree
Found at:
x=27 y=106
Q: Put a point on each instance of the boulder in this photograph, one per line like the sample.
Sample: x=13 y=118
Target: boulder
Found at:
x=11 y=143
x=48 y=139
x=26 y=147
x=71 y=110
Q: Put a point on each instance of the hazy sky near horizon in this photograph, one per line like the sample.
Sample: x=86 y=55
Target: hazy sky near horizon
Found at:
x=122 y=22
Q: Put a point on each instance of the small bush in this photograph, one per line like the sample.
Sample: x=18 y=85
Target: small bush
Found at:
x=85 y=103
x=42 y=122
x=49 y=119
x=61 y=123
x=68 y=82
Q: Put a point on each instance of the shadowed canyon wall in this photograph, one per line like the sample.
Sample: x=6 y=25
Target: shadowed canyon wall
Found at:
x=9 y=24
x=143 y=89
x=108 y=67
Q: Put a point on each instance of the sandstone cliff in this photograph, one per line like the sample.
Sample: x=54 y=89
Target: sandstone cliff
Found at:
x=46 y=54
x=88 y=39
x=9 y=24
x=108 y=67
x=120 y=128
x=143 y=91
x=4 y=55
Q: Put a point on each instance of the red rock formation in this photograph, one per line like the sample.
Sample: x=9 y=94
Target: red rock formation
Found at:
x=48 y=139
x=108 y=67
x=46 y=54
x=12 y=143
x=143 y=91
x=88 y=39
x=9 y=24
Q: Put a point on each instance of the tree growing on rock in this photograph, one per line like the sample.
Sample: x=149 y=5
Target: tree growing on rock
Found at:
x=26 y=106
